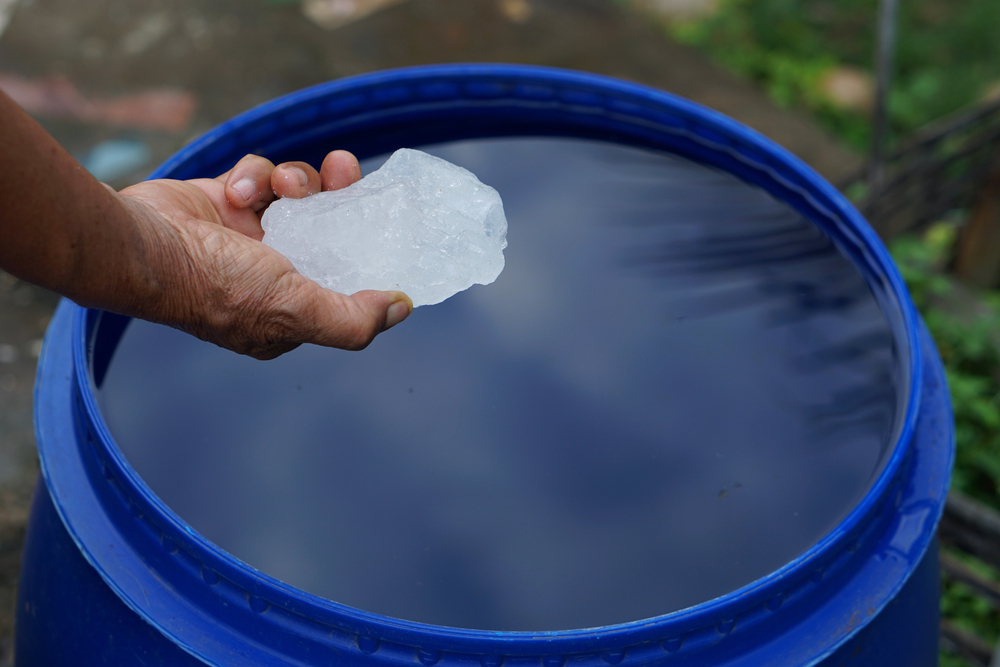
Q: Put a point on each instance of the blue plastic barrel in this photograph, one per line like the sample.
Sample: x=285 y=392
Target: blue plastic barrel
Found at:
x=113 y=576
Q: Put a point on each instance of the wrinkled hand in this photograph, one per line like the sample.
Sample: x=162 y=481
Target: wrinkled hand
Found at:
x=201 y=245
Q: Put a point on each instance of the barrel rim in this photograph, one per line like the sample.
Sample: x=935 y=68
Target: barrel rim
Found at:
x=866 y=525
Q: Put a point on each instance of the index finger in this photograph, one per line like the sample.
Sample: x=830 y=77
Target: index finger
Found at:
x=248 y=184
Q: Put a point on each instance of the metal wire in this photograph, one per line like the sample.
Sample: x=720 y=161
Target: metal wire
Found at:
x=885 y=48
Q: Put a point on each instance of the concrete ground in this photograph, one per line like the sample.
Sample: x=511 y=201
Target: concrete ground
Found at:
x=122 y=85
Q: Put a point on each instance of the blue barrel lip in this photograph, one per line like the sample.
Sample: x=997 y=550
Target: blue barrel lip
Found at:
x=859 y=533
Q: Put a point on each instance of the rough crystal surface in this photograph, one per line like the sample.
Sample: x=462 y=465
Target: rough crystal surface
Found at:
x=419 y=224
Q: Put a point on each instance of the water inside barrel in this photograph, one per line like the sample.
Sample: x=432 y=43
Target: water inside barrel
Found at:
x=676 y=386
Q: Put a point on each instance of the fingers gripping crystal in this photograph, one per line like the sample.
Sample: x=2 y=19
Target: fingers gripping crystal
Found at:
x=419 y=224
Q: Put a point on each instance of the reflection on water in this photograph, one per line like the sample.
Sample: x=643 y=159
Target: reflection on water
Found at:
x=676 y=386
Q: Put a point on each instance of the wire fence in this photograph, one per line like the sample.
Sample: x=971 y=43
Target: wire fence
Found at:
x=971 y=528
x=938 y=171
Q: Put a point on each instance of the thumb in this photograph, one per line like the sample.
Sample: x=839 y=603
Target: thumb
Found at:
x=352 y=322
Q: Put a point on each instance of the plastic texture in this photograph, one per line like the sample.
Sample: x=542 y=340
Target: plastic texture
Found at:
x=111 y=575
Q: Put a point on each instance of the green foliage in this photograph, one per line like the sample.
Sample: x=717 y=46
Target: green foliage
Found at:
x=952 y=661
x=947 y=54
x=772 y=43
x=967 y=610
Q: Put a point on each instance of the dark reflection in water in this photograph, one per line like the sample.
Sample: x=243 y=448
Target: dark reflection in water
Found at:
x=676 y=386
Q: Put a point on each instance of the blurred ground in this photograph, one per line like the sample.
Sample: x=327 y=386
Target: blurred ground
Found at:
x=122 y=85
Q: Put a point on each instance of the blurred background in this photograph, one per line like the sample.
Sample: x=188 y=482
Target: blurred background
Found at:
x=897 y=103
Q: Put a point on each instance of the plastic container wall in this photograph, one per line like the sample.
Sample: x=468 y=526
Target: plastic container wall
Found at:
x=112 y=576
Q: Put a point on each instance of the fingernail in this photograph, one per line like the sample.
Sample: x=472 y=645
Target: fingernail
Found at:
x=303 y=179
x=398 y=312
x=246 y=188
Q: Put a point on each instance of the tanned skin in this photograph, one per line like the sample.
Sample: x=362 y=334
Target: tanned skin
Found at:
x=183 y=253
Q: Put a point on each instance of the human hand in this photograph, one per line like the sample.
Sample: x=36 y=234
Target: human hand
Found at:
x=200 y=245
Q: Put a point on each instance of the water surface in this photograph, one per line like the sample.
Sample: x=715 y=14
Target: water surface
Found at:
x=676 y=386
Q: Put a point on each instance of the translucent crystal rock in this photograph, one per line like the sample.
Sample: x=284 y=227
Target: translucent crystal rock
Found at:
x=419 y=224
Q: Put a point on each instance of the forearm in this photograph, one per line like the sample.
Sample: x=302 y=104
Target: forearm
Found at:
x=183 y=253
x=62 y=229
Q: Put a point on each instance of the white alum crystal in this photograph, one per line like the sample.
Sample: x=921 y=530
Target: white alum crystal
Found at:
x=419 y=224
